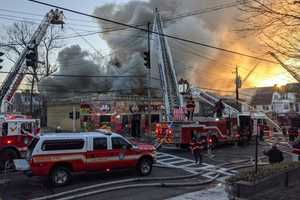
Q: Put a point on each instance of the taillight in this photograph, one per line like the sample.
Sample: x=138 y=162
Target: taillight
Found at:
x=237 y=135
x=210 y=141
x=9 y=141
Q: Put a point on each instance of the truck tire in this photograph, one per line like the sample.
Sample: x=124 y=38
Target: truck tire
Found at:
x=60 y=176
x=144 y=167
x=7 y=157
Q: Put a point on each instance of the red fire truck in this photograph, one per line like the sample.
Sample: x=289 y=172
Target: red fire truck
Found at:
x=237 y=128
x=16 y=131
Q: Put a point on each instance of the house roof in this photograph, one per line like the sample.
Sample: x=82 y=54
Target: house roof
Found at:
x=263 y=96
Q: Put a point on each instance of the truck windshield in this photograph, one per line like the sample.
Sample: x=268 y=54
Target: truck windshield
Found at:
x=31 y=147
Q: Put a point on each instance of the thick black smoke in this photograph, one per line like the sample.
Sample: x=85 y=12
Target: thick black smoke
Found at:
x=127 y=46
x=77 y=74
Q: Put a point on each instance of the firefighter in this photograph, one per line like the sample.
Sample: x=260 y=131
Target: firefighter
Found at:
x=61 y=19
x=219 y=107
x=190 y=107
x=51 y=15
x=274 y=154
x=196 y=148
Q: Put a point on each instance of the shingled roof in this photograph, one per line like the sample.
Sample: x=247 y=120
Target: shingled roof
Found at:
x=263 y=96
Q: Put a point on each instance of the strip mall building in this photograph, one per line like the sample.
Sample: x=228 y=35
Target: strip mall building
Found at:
x=127 y=115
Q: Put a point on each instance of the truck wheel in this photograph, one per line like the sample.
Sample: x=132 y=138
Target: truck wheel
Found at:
x=7 y=159
x=144 y=167
x=60 y=176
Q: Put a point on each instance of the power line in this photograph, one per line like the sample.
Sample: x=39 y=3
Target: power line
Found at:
x=182 y=15
x=153 y=32
x=82 y=76
x=165 y=19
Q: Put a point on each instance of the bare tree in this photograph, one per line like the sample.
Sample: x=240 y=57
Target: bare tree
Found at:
x=275 y=23
x=18 y=36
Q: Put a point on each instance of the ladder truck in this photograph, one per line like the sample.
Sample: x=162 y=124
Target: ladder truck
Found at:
x=233 y=127
x=173 y=129
x=16 y=131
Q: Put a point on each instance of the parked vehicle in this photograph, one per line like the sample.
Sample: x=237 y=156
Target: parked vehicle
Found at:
x=237 y=128
x=16 y=132
x=59 y=155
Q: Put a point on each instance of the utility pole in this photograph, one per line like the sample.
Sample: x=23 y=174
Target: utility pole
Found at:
x=238 y=84
x=149 y=80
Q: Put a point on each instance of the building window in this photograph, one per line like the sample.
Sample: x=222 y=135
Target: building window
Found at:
x=265 y=107
x=286 y=106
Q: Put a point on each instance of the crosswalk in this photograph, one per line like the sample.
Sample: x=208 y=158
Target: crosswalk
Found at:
x=208 y=170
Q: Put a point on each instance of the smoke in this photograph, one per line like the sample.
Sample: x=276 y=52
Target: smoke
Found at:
x=204 y=67
x=188 y=63
x=77 y=74
x=200 y=65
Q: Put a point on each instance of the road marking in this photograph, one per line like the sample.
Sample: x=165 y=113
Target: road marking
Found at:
x=190 y=166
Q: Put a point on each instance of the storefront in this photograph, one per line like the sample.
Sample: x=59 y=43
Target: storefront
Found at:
x=124 y=117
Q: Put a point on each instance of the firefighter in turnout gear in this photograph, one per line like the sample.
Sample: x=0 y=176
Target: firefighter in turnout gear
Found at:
x=190 y=107
x=197 y=147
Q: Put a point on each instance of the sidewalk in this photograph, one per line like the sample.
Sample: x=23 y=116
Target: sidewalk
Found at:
x=214 y=193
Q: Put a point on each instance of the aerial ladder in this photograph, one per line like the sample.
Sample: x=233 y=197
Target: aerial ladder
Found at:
x=171 y=96
x=211 y=100
x=172 y=130
x=18 y=71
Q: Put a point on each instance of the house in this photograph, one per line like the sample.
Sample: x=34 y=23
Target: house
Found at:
x=277 y=100
x=262 y=99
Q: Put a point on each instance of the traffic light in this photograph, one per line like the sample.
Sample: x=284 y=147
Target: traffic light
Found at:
x=71 y=115
x=31 y=57
x=1 y=60
x=77 y=115
x=147 y=59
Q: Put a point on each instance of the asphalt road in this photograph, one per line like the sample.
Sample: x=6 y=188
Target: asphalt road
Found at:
x=21 y=187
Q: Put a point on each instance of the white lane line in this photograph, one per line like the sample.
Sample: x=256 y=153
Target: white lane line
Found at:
x=174 y=161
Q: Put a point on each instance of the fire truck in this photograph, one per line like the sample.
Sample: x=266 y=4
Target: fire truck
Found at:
x=16 y=131
x=236 y=128
x=175 y=129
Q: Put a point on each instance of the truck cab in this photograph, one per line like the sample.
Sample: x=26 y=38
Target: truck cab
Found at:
x=16 y=132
